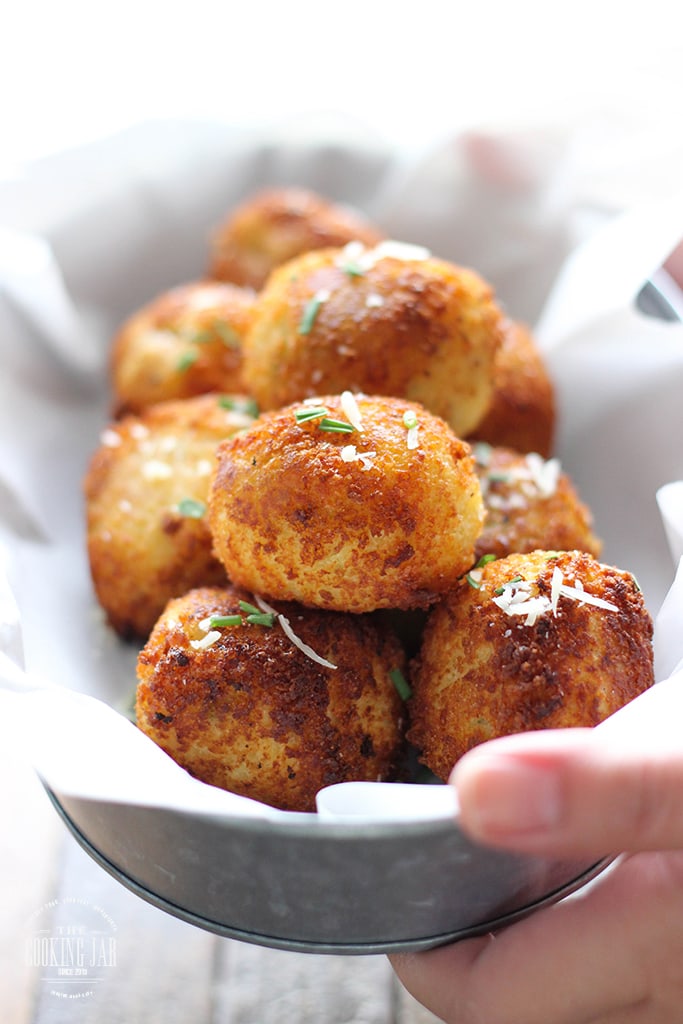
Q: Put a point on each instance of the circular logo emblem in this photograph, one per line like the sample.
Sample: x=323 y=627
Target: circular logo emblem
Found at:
x=72 y=944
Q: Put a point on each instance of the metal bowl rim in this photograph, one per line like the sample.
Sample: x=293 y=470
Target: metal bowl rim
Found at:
x=332 y=948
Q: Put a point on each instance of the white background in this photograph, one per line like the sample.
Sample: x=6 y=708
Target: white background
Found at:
x=412 y=72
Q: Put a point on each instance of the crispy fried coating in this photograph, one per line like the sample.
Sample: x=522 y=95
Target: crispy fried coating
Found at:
x=522 y=413
x=187 y=341
x=517 y=648
x=277 y=224
x=146 y=489
x=384 y=321
x=346 y=521
x=530 y=504
x=251 y=713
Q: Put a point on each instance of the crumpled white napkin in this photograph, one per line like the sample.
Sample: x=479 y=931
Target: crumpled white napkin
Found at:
x=498 y=204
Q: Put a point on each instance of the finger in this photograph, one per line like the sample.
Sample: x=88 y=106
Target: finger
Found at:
x=611 y=953
x=580 y=791
x=674 y=264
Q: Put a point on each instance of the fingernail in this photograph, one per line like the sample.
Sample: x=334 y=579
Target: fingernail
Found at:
x=501 y=796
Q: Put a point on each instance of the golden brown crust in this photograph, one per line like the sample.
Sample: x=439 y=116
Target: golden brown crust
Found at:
x=277 y=224
x=522 y=412
x=483 y=672
x=421 y=329
x=253 y=714
x=291 y=519
x=187 y=341
x=143 y=550
x=530 y=504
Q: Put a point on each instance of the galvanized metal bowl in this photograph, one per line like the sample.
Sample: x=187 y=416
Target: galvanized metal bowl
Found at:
x=317 y=886
x=302 y=883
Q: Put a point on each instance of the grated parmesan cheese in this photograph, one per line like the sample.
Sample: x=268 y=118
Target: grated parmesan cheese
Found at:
x=517 y=598
x=155 y=469
x=544 y=473
x=351 y=252
x=505 y=503
x=374 y=301
x=555 y=588
x=349 y=453
x=391 y=249
x=351 y=411
x=110 y=438
x=365 y=259
x=583 y=597
x=206 y=641
x=534 y=477
x=286 y=627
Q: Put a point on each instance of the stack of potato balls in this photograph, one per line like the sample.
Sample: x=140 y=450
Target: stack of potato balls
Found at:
x=327 y=506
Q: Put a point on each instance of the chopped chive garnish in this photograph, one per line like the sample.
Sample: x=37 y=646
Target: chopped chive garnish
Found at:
x=218 y=621
x=191 y=508
x=227 y=334
x=197 y=337
x=473 y=577
x=515 y=579
x=254 y=618
x=409 y=419
x=335 y=426
x=261 y=619
x=251 y=609
x=319 y=412
x=239 y=404
x=352 y=268
x=311 y=310
x=484 y=560
x=186 y=360
x=313 y=413
x=401 y=684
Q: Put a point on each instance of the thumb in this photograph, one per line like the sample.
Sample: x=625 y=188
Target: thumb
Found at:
x=617 y=787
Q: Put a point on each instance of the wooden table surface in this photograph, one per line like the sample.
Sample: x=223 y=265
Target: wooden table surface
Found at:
x=166 y=971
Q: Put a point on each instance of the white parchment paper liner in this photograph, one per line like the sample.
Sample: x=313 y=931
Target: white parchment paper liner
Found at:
x=68 y=278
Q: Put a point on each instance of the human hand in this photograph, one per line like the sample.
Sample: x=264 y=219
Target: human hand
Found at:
x=613 y=952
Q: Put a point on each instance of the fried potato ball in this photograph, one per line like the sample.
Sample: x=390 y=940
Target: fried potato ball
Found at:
x=384 y=321
x=522 y=412
x=186 y=342
x=530 y=504
x=146 y=489
x=277 y=224
x=242 y=707
x=542 y=640
x=382 y=516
